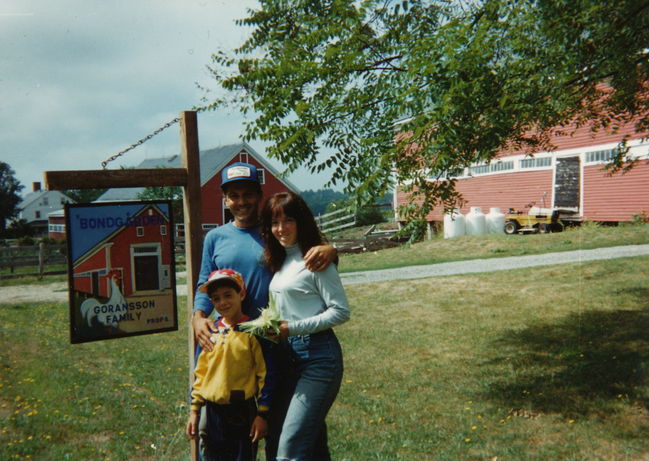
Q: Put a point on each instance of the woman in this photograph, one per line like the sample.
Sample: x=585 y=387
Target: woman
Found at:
x=310 y=304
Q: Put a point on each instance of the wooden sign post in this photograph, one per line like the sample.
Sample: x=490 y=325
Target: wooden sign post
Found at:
x=188 y=176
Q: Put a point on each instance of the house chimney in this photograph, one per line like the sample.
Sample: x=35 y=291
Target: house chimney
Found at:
x=36 y=186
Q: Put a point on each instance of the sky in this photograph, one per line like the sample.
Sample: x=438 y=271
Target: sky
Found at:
x=81 y=80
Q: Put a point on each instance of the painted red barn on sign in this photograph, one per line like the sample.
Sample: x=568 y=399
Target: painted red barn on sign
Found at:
x=136 y=257
x=570 y=177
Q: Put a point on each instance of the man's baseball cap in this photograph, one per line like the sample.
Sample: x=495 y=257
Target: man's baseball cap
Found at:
x=239 y=171
x=224 y=277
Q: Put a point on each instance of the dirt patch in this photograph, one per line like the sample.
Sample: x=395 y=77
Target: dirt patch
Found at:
x=54 y=292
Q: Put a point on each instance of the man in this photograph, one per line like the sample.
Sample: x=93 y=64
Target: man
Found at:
x=238 y=245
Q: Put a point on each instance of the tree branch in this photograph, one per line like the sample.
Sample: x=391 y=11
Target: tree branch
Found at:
x=634 y=14
x=376 y=65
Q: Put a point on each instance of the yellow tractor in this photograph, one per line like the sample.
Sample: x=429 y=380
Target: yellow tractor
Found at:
x=536 y=220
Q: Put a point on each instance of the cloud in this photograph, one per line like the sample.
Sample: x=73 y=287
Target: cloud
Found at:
x=83 y=79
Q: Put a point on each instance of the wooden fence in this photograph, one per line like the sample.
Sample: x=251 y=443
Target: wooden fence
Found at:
x=336 y=220
x=37 y=257
x=372 y=239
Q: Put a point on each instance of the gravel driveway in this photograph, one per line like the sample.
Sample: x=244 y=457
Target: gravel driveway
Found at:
x=493 y=264
x=58 y=292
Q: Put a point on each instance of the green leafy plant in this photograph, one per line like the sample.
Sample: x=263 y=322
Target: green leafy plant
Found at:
x=266 y=325
x=640 y=218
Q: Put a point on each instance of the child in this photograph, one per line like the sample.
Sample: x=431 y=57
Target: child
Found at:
x=234 y=380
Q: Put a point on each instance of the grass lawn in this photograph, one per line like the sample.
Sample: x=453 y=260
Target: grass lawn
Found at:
x=538 y=364
x=440 y=250
x=546 y=363
x=121 y=399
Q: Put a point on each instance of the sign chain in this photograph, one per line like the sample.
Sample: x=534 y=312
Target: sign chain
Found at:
x=145 y=139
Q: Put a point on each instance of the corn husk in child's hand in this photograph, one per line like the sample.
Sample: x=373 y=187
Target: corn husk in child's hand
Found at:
x=266 y=325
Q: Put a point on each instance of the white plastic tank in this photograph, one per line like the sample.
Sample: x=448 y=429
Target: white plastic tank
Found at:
x=495 y=221
x=454 y=224
x=475 y=222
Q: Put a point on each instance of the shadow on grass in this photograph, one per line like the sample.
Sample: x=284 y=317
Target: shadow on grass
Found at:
x=583 y=365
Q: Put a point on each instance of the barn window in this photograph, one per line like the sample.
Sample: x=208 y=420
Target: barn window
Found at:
x=479 y=169
x=261 y=175
x=536 y=162
x=163 y=229
x=502 y=166
x=148 y=249
x=491 y=167
x=140 y=231
x=207 y=227
x=600 y=156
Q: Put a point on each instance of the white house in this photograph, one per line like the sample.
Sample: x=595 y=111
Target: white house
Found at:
x=38 y=204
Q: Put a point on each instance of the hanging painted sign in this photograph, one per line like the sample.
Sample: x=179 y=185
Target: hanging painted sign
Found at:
x=121 y=270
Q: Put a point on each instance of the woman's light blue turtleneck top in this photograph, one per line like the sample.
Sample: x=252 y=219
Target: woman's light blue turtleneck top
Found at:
x=309 y=301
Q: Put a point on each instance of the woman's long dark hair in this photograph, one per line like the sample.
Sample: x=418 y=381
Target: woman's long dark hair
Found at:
x=293 y=206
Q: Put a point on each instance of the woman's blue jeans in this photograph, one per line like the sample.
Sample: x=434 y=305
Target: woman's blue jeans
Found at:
x=317 y=364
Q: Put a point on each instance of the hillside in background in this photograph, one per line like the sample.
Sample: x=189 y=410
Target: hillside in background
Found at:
x=319 y=199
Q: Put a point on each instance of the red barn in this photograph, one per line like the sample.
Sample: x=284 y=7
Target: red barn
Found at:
x=212 y=161
x=135 y=255
x=56 y=225
x=569 y=177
